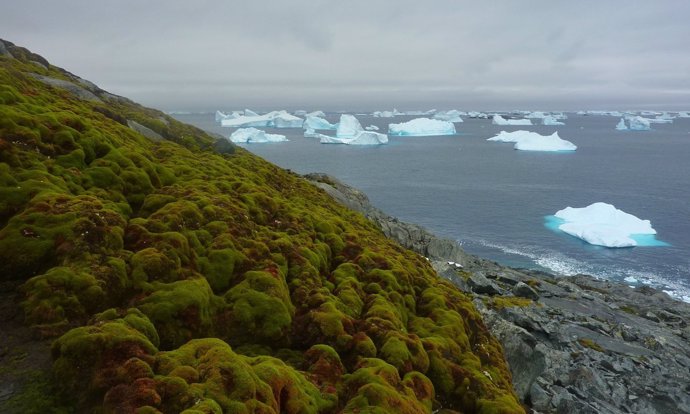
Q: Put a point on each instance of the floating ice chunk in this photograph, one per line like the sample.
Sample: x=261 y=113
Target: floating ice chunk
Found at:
x=386 y=114
x=658 y=120
x=310 y=133
x=683 y=114
x=550 y=120
x=531 y=141
x=372 y=128
x=621 y=125
x=277 y=119
x=362 y=138
x=300 y=112
x=220 y=116
x=499 y=120
x=480 y=115
x=348 y=127
x=314 y=122
x=253 y=135
x=422 y=127
x=637 y=123
x=535 y=115
x=631 y=279
x=603 y=224
x=450 y=116
x=317 y=113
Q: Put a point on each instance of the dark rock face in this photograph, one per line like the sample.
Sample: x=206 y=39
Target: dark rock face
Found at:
x=574 y=344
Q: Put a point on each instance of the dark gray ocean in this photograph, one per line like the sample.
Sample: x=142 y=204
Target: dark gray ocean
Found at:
x=494 y=199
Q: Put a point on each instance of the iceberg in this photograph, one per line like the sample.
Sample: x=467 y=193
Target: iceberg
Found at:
x=550 y=120
x=659 y=120
x=386 y=114
x=535 y=115
x=480 y=115
x=499 y=120
x=362 y=138
x=315 y=122
x=637 y=123
x=253 y=135
x=350 y=132
x=422 y=127
x=310 y=133
x=348 y=126
x=276 y=119
x=372 y=128
x=603 y=224
x=683 y=114
x=621 y=125
x=317 y=113
x=450 y=116
x=300 y=112
x=531 y=141
x=249 y=112
x=222 y=115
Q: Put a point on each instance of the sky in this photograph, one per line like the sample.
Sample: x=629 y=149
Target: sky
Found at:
x=201 y=55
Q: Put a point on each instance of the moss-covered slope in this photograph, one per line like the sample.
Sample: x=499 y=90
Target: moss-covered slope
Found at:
x=176 y=278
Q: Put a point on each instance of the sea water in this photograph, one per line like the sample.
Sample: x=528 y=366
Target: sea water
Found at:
x=496 y=201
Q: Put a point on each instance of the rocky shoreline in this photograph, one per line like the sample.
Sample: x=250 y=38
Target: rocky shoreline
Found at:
x=575 y=344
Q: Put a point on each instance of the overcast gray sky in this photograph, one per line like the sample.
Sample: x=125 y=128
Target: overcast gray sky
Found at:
x=203 y=54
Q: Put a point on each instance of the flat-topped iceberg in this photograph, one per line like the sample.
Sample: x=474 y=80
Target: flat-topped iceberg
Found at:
x=276 y=119
x=422 y=127
x=531 y=141
x=450 y=116
x=550 y=120
x=253 y=135
x=603 y=224
x=499 y=120
x=362 y=138
x=315 y=122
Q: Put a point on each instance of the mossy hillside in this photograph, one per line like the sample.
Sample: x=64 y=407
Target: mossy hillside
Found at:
x=208 y=282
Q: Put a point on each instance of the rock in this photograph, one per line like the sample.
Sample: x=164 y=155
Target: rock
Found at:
x=524 y=290
x=145 y=131
x=652 y=317
x=480 y=284
x=539 y=398
x=4 y=51
x=76 y=90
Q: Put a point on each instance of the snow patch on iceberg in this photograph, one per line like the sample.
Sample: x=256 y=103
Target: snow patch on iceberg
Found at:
x=253 y=135
x=602 y=224
x=499 y=120
x=531 y=141
x=422 y=127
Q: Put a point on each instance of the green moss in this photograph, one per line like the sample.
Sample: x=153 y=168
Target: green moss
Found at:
x=501 y=302
x=145 y=245
x=588 y=343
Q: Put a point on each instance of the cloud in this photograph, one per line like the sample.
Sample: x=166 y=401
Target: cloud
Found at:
x=207 y=54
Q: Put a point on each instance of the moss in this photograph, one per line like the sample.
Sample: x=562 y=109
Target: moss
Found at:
x=501 y=302
x=588 y=343
x=158 y=245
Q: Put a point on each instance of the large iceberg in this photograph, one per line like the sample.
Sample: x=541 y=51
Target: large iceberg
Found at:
x=350 y=132
x=362 y=138
x=253 y=135
x=450 y=116
x=422 y=127
x=621 y=125
x=276 y=119
x=222 y=115
x=603 y=224
x=550 y=120
x=499 y=120
x=315 y=122
x=638 y=123
x=531 y=141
